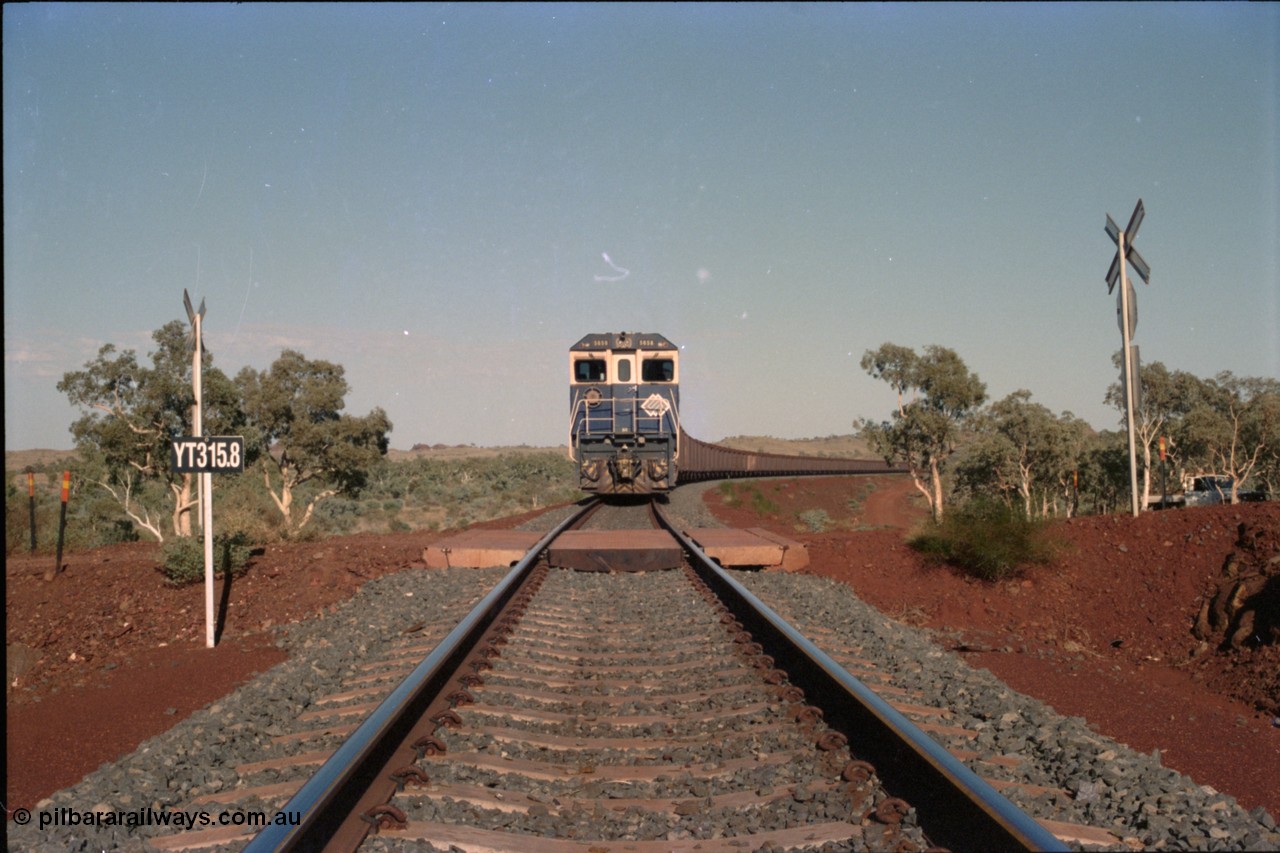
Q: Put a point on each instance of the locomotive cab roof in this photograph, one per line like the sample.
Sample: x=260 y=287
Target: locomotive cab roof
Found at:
x=622 y=341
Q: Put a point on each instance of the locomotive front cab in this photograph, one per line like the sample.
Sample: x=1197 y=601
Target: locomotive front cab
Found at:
x=624 y=412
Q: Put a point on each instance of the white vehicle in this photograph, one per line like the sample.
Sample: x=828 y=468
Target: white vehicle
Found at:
x=1204 y=491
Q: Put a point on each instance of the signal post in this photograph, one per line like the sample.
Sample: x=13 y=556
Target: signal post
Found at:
x=1127 y=314
x=196 y=454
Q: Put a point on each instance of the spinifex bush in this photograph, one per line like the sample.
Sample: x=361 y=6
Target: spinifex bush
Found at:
x=184 y=557
x=747 y=494
x=817 y=520
x=987 y=539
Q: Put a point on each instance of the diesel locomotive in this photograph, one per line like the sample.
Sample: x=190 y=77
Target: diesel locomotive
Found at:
x=624 y=425
x=624 y=412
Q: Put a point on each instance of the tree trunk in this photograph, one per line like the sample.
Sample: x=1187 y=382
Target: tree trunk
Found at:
x=306 y=516
x=923 y=489
x=284 y=500
x=182 y=505
x=936 y=501
x=1146 y=475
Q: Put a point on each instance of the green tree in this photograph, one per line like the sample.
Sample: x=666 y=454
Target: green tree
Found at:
x=1268 y=471
x=1027 y=427
x=1046 y=448
x=1167 y=396
x=1070 y=440
x=1103 y=472
x=294 y=412
x=925 y=429
x=986 y=467
x=132 y=412
x=1231 y=427
x=1023 y=449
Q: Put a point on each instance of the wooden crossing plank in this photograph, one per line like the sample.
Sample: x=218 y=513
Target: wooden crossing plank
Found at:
x=477 y=549
x=615 y=551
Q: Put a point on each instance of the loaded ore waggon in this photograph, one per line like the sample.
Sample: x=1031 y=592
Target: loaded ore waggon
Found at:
x=624 y=424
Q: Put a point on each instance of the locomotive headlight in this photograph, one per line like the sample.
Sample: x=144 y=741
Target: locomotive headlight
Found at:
x=592 y=396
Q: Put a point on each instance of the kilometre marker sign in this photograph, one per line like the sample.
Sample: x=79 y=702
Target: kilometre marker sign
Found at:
x=215 y=454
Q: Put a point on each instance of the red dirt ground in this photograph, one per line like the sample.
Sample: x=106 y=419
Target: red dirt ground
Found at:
x=1103 y=633
x=1115 y=612
x=110 y=654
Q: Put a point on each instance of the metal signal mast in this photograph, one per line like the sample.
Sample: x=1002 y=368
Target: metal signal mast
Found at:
x=1127 y=314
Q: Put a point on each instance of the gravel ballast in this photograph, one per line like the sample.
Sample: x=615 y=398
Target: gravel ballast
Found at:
x=1111 y=786
x=198 y=755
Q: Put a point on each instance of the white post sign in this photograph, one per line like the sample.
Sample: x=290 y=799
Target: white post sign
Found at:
x=205 y=481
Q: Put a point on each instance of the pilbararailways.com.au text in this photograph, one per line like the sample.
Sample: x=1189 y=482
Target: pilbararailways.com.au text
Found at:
x=134 y=818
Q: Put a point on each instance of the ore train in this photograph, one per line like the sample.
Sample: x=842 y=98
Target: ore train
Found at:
x=624 y=424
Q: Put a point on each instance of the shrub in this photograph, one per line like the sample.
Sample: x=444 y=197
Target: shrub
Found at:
x=736 y=494
x=987 y=539
x=762 y=504
x=817 y=520
x=184 y=556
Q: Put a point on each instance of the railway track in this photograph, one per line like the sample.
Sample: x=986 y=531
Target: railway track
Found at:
x=253 y=752
x=583 y=711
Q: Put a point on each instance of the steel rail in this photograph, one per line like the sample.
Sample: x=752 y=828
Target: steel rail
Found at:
x=351 y=769
x=956 y=808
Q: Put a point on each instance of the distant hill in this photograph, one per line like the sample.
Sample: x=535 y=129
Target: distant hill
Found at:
x=846 y=446
x=18 y=460
x=467 y=451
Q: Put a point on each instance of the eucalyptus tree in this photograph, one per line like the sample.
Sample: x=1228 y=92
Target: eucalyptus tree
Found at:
x=1167 y=396
x=1103 y=472
x=1026 y=426
x=131 y=412
x=1268 y=470
x=1070 y=441
x=1021 y=448
x=936 y=394
x=986 y=467
x=295 y=421
x=1233 y=427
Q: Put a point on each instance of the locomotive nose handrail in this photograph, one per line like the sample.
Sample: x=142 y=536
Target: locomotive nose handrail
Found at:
x=605 y=421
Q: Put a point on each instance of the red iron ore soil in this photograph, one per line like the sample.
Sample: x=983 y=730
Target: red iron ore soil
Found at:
x=1103 y=633
x=109 y=654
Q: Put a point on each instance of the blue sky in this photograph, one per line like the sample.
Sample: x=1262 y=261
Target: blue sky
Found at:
x=427 y=194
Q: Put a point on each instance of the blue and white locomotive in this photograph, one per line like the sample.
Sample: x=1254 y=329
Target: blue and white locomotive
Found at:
x=624 y=412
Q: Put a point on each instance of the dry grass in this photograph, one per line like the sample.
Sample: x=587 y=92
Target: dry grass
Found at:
x=914 y=616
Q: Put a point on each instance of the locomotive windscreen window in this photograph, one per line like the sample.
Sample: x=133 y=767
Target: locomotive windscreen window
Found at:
x=658 y=370
x=624 y=370
x=588 y=370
